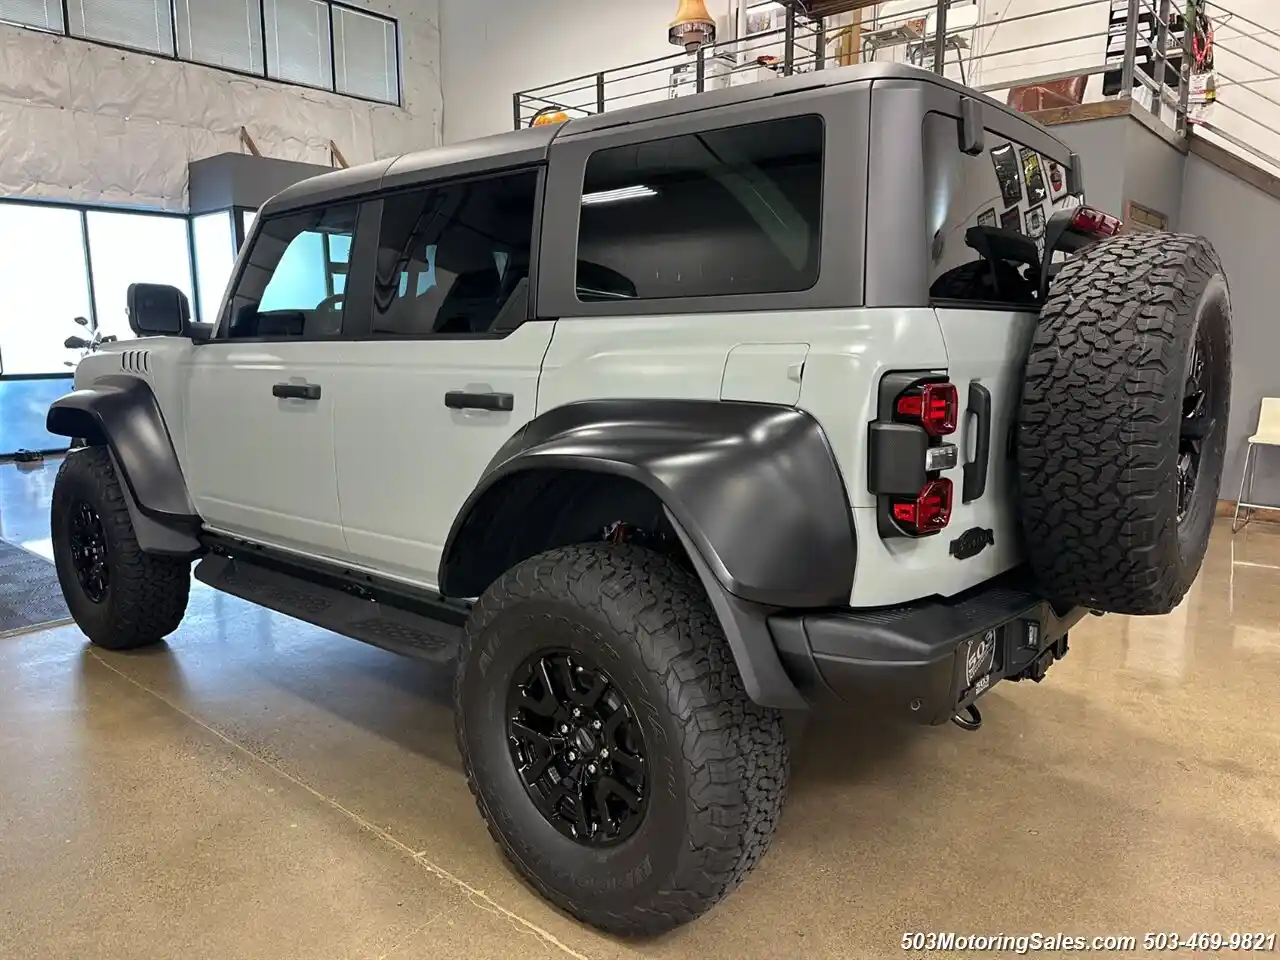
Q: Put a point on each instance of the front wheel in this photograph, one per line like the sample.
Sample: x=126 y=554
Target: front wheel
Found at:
x=608 y=739
x=119 y=596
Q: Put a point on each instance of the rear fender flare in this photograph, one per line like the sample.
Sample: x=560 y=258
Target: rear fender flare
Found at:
x=754 y=486
x=752 y=490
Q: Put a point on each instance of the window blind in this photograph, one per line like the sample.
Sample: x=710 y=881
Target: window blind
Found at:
x=365 y=56
x=43 y=14
x=145 y=24
x=298 y=46
x=222 y=33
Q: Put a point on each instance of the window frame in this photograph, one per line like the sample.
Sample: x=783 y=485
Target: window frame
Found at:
x=83 y=210
x=263 y=74
x=843 y=109
x=535 y=246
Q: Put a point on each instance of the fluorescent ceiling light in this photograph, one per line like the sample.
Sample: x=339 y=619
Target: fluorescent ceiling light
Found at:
x=614 y=196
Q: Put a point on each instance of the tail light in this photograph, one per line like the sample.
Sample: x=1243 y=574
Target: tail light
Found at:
x=1095 y=223
x=929 y=512
x=908 y=454
x=934 y=406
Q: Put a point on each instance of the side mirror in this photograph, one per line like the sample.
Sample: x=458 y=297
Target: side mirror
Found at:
x=83 y=321
x=75 y=343
x=158 y=309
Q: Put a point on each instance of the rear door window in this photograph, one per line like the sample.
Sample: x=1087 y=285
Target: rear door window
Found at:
x=987 y=216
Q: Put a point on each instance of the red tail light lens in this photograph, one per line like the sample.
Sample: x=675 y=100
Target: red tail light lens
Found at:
x=935 y=406
x=929 y=512
x=1095 y=223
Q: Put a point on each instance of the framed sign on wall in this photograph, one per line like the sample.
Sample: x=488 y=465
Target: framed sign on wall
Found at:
x=1140 y=219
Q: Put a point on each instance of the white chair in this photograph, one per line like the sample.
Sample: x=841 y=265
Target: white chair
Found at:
x=1268 y=435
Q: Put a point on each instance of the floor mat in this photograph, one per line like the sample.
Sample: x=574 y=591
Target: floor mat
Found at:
x=29 y=591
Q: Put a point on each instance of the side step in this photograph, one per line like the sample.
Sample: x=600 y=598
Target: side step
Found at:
x=374 y=621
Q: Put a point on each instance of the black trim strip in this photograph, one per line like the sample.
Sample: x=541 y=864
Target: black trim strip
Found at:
x=335 y=575
x=975 y=473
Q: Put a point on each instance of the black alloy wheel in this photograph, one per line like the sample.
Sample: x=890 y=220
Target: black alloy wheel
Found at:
x=1198 y=422
x=88 y=544
x=578 y=748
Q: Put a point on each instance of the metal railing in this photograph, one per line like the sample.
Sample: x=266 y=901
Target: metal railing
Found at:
x=934 y=34
x=1152 y=69
x=1246 y=115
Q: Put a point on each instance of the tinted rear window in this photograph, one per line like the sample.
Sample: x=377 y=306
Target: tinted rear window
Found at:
x=997 y=201
x=721 y=212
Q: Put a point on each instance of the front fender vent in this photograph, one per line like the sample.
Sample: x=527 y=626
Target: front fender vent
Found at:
x=136 y=361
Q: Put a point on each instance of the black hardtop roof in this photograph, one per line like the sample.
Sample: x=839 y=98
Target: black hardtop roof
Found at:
x=531 y=145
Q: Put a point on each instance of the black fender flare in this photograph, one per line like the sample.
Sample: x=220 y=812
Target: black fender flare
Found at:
x=753 y=489
x=121 y=413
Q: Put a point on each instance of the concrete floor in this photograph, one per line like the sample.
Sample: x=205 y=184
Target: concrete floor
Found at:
x=258 y=788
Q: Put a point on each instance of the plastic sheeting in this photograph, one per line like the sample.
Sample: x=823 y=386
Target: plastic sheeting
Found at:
x=85 y=123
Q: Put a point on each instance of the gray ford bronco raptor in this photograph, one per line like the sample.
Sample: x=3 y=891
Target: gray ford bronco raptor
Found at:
x=662 y=423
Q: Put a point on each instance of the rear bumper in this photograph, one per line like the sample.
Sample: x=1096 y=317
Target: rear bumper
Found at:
x=925 y=661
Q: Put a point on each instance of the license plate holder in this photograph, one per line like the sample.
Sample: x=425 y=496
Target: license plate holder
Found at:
x=994 y=654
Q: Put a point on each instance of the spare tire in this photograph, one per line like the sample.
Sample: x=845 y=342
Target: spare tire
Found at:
x=1122 y=429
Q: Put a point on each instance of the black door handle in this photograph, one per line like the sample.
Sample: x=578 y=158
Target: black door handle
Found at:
x=975 y=473
x=296 y=391
x=461 y=400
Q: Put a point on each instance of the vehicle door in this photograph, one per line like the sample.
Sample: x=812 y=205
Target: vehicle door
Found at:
x=448 y=370
x=261 y=396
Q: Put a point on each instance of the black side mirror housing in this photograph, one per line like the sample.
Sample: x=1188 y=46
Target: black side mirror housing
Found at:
x=156 y=309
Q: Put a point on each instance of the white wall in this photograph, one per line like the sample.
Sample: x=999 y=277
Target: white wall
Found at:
x=86 y=123
x=993 y=41
x=1248 y=110
x=492 y=48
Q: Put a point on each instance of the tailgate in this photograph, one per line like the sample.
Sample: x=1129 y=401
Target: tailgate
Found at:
x=987 y=348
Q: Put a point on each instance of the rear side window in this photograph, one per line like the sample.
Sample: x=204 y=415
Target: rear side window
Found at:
x=987 y=216
x=716 y=213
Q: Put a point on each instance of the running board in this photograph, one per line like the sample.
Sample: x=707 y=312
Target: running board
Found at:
x=361 y=618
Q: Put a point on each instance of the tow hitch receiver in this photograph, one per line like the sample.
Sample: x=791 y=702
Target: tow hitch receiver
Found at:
x=1042 y=663
x=970 y=718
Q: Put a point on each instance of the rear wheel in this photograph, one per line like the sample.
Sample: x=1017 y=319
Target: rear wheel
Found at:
x=119 y=596
x=1123 y=424
x=609 y=742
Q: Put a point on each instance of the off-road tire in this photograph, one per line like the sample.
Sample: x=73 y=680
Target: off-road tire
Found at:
x=146 y=595
x=1100 y=419
x=719 y=761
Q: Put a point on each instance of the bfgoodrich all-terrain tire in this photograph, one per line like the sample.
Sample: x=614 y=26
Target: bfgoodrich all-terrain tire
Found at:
x=609 y=742
x=1122 y=428
x=119 y=596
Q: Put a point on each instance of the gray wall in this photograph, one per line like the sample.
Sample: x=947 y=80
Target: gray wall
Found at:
x=242 y=180
x=1101 y=146
x=1153 y=172
x=1124 y=160
x=1243 y=223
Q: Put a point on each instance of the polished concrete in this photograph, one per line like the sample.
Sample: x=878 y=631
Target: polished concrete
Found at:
x=257 y=788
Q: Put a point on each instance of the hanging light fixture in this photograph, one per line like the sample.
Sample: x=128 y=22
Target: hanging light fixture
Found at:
x=693 y=25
